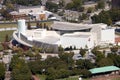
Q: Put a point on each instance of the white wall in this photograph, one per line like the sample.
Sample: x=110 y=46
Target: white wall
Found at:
x=108 y=36
x=76 y=41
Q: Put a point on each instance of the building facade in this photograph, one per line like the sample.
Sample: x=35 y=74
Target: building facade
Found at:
x=97 y=34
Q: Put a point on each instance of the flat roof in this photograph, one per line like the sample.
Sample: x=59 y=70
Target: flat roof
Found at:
x=28 y=7
x=50 y=37
x=78 y=34
x=104 y=69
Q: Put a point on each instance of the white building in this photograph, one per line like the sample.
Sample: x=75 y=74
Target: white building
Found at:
x=37 y=12
x=28 y=9
x=75 y=35
x=77 y=39
x=33 y=12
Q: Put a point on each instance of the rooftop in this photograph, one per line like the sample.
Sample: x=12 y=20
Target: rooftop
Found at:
x=104 y=69
x=74 y=26
x=78 y=34
x=42 y=35
x=28 y=7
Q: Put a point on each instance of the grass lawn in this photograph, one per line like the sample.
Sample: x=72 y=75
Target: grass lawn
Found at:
x=4 y=33
x=2 y=36
x=43 y=77
x=7 y=25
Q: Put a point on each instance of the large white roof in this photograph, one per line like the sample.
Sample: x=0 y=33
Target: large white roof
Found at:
x=50 y=37
x=78 y=34
x=74 y=26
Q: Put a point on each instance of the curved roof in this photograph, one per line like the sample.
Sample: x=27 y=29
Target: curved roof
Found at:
x=66 y=26
x=51 y=37
x=19 y=40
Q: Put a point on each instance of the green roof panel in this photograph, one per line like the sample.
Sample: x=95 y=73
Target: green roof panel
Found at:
x=104 y=69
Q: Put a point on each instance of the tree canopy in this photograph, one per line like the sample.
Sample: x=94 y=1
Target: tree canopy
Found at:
x=107 y=17
x=26 y=2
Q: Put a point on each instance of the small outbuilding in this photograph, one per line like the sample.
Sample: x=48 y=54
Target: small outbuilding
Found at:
x=107 y=70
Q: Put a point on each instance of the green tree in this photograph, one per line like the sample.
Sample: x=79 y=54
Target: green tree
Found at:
x=68 y=58
x=105 y=62
x=115 y=58
x=26 y=2
x=20 y=70
x=37 y=67
x=60 y=49
x=90 y=9
x=82 y=51
x=5 y=14
x=101 y=4
x=62 y=3
x=84 y=64
x=86 y=73
x=77 y=4
x=2 y=71
x=51 y=6
x=114 y=49
x=69 y=5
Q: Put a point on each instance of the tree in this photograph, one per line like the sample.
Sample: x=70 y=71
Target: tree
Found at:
x=21 y=73
x=29 y=26
x=69 y=6
x=2 y=71
x=9 y=5
x=51 y=6
x=5 y=14
x=107 y=17
x=84 y=64
x=63 y=73
x=114 y=49
x=75 y=5
x=86 y=73
x=90 y=9
x=82 y=52
x=115 y=58
x=20 y=70
x=60 y=49
x=83 y=16
x=36 y=67
x=62 y=3
x=105 y=62
x=51 y=74
x=68 y=58
x=101 y=4
x=26 y=2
